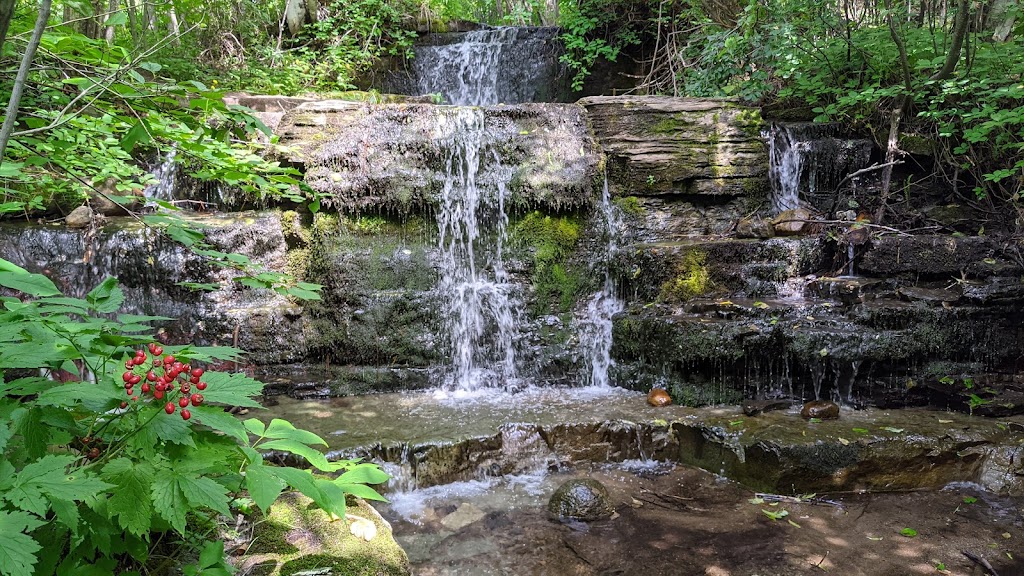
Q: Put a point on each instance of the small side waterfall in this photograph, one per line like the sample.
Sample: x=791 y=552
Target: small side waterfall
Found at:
x=481 y=313
x=167 y=176
x=786 y=159
x=497 y=65
x=595 y=328
x=808 y=159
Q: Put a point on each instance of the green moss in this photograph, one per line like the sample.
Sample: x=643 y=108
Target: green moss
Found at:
x=630 y=205
x=668 y=125
x=692 y=279
x=552 y=240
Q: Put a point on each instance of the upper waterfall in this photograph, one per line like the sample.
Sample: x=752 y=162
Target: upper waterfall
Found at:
x=506 y=65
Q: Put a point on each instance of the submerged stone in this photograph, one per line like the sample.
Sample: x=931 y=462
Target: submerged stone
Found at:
x=820 y=409
x=580 y=499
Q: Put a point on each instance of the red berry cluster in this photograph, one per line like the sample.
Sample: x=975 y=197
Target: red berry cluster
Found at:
x=164 y=377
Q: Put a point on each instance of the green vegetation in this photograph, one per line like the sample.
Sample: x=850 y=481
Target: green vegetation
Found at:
x=552 y=240
x=691 y=279
x=630 y=205
x=131 y=470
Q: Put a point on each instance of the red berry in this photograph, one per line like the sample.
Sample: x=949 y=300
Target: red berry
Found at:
x=157 y=350
x=177 y=366
x=169 y=359
x=94 y=453
x=170 y=408
x=145 y=388
x=197 y=372
x=185 y=414
x=129 y=391
x=197 y=399
x=135 y=398
x=183 y=401
x=124 y=405
x=201 y=385
x=151 y=376
x=186 y=388
x=159 y=394
x=87 y=440
x=127 y=376
x=135 y=379
x=129 y=364
x=128 y=385
x=187 y=368
x=152 y=345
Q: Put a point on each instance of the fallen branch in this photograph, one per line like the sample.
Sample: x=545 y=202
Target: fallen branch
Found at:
x=847 y=222
x=798 y=500
x=872 y=168
x=981 y=562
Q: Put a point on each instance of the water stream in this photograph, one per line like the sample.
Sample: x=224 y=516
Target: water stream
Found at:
x=481 y=315
x=490 y=66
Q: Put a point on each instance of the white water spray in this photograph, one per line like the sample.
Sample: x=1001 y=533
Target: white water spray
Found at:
x=480 y=307
x=786 y=163
x=595 y=328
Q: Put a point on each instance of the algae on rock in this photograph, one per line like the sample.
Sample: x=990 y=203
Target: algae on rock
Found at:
x=296 y=536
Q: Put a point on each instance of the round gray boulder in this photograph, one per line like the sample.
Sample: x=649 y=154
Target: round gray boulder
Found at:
x=584 y=499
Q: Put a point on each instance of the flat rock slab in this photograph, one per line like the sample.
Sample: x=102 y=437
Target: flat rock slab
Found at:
x=661 y=145
x=399 y=156
x=447 y=440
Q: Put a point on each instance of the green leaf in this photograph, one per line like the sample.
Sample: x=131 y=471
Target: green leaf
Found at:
x=255 y=426
x=232 y=389
x=361 y=490
x=107 y=297
x=131 y=503
x=72 y=393
x=46 y=478
x=168 y=500
x=263 y=486
x=218 y=419
x=908 y=532
x=137 y=134
x=170 y=427
x=212 y=554
x=202 y=492
x=17 y=549
x=22 y=280
x=365 y=474
x=284 y=429
x=117 y=19
x=312 y=455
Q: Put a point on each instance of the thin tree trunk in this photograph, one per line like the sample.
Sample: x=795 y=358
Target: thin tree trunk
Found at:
x=957 y=42
x=172 y=25
x=22 y=77
x=112 y=9
x=892 y=143
x=133 y=22
x=6 y=13
x=1001 y=19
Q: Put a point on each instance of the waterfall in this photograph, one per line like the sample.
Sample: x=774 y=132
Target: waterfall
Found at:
x=491 y=66
x=481 y=309
x=166 y=175
x=786 y=159
x=811 y=159
x=595 y=328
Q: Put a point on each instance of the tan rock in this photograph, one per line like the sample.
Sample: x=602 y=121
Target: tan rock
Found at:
x=793 y=222
x=658 y=397
x=80 y=217
x=463 y=516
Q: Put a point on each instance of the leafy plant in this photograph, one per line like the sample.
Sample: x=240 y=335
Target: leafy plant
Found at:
x=908 y=532
x=112 y=479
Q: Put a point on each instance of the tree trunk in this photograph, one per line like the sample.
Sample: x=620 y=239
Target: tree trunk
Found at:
x=112 y=9
x=133 y=23
x=959 y=33
x=172 y=26
x=6 y=13
x=22 y=77
x=1001 y=19
x=295 y=15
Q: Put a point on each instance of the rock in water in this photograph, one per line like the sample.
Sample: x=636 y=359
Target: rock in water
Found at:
x=79 y=217
x=820 y=409
x=582 y=499
x=658 y=397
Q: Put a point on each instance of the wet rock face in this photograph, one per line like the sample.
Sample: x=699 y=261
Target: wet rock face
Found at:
x=585 y=500
x=373 y=156
x=820 y=409
x=660 y=145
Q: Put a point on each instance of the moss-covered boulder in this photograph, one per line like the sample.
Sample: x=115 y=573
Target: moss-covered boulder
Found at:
x=583 y=499
x=297 y=537
x=657 y=145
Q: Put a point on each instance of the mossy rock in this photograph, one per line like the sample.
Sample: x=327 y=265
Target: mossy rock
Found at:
x=297 y=536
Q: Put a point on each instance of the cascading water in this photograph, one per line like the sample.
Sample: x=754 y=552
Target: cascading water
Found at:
x=811 y=159
x=166 y=175
x=595 y=329
x=481 y=308
x=786 y=158
x=491 y=66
